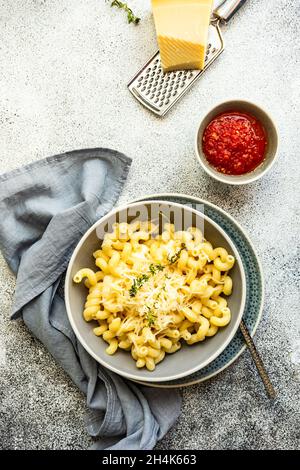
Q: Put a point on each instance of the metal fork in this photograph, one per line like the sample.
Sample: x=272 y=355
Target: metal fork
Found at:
x=257 y=361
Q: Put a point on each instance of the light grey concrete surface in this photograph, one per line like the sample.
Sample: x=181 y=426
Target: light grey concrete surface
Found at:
x=63 y=70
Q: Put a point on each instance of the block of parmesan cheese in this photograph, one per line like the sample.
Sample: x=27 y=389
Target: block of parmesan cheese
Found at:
x=182 y=30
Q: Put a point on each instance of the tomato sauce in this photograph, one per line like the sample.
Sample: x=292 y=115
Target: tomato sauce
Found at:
x=234 y=143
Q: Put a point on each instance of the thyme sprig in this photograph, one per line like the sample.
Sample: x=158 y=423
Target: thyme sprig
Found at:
x=175 y=257
x=138 y=282
x=150 y=317
x=154 y=268
x=131 y=17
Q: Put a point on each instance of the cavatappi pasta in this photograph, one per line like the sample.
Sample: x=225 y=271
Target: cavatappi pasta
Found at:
x=150 y=292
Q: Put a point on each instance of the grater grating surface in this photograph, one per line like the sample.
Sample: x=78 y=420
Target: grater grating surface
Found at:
x=159 y=91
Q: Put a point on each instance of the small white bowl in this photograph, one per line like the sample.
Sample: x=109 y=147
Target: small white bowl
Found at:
x=272 y=142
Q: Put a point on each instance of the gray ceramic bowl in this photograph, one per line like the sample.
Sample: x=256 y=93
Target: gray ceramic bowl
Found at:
x=190 y=358
x=272 y=146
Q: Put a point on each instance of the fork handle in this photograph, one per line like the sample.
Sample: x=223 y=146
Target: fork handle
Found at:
x=227 y=9
x=257 y=360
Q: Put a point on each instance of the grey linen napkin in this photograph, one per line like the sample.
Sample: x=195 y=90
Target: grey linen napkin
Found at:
x=45 y=208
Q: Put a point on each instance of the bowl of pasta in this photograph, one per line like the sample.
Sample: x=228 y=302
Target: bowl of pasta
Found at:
x=155 y=291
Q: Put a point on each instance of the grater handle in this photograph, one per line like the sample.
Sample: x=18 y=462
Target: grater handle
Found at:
x=227 y=9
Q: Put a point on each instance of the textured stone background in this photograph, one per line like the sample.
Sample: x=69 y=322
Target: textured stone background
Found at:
x=64 y=68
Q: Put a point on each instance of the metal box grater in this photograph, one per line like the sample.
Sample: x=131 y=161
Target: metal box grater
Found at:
x=159 y=91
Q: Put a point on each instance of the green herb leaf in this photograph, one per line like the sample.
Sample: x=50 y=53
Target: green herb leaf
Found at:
x=175 y=257
x=137 y=284
x=131 y=18
x=154 y=268
x=150 y=317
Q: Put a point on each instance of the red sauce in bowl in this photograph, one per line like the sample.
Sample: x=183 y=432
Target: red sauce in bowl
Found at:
x=234 y=143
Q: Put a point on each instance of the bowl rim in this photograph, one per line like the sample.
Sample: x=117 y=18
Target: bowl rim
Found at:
x=260 y=314
x=190 y=371
x=226 y=179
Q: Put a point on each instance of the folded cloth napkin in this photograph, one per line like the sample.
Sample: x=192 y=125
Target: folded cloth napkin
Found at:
x=45 y=208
